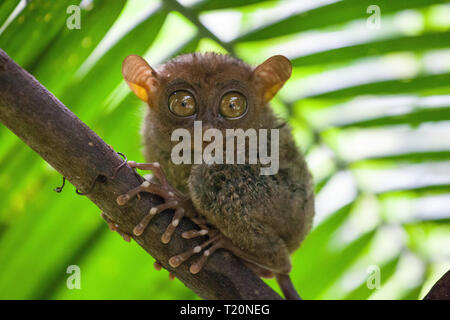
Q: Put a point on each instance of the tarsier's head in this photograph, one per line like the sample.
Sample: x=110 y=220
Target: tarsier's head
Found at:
x=221 y=91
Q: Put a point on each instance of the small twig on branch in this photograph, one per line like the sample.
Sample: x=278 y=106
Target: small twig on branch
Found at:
x=75 y=151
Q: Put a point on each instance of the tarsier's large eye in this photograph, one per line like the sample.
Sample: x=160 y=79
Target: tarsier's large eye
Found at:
x=233 y=105
x=182 y=103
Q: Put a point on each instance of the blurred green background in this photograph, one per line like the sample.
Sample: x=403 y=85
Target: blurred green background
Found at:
x=369 y=104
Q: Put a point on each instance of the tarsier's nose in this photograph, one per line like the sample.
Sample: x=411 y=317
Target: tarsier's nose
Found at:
x=206 y=127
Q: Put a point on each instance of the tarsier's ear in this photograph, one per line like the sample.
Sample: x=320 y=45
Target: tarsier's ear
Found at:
x=271 y=75
x=140 y=77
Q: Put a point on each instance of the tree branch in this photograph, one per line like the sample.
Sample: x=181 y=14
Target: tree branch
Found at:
x=441 y=289
x=75 y=151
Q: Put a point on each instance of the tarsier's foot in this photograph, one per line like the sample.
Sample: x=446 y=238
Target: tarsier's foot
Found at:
x=216 y=241
x=173 y=200
x=115 y=227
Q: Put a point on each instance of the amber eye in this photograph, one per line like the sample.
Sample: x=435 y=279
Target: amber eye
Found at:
x=182 y=103
x=233 y=105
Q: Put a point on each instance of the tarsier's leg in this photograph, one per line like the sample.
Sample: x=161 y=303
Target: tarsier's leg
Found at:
x=173 y=200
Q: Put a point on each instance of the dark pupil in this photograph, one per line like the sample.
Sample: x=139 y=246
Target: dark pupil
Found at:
x=183 y=103
x=232 y=105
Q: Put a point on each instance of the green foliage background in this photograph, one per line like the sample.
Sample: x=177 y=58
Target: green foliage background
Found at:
x=42 y=233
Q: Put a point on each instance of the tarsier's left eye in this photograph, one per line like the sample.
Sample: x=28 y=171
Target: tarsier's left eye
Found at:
x=182 y=103
x=233 y=105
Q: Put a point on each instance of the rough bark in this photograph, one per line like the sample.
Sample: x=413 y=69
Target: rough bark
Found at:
x=75 y=151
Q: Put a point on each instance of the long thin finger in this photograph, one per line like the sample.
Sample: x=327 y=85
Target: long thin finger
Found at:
x=213 y=248
x=144 y=187
x=175 y=261
x=140 y=227
x=194 y=233
x=157 y=265
x=197 y=266
x=124 y=198
x=155 y=167
x=167 y=235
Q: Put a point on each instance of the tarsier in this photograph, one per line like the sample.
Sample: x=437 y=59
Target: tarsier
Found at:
x=261 y=219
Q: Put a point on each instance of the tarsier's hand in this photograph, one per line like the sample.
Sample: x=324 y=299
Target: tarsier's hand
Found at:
x=183 y=207
x=172 y=200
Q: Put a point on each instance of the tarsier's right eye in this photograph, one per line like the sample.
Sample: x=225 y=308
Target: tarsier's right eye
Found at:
x=182 y=103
